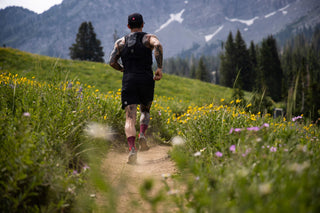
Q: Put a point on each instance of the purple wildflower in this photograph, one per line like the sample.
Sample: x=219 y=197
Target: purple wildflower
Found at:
x=247 y=152
x=70 y=85
x=232 y=148
x=218 y=154
x=26 y=114
x=85 y=167
x=235 y=130
x=296 y=118
x=255 y=128
x=74 y=172
x=159 y=112
x=265 y=125
x=273 y=149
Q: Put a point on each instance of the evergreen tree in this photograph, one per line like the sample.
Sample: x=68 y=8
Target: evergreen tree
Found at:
x=87 y=46
x=243 y=65
x=202 y=72
x=316 y=40
x=270 y=68
x=193 y=71
x=227 y=67
x=254 y=65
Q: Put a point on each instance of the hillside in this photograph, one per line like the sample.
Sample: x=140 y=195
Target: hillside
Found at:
x=103 y=77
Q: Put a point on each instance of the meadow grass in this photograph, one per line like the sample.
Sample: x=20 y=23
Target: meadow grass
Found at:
x=55 y=129
x=103 y=77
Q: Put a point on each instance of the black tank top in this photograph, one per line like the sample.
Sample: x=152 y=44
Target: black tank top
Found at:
x=136 y=58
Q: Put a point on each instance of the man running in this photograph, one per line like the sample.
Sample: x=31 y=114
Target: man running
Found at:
x=138 y=81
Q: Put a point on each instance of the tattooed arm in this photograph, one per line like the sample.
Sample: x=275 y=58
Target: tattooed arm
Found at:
x=115 y=55
x=153 y=42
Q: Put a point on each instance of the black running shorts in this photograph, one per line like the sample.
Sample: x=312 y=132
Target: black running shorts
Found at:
x=137 y=92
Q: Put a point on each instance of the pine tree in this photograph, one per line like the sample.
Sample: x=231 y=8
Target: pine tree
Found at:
x=227 y=67
x=193 y=71
x=270 y=68
x=243 y=65
x=87 y=46
x=254 y=65
x=202 y=72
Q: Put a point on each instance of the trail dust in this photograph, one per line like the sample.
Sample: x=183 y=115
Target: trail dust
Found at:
x=128 y=179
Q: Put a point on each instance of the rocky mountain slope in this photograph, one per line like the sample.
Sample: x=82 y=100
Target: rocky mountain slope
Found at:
x=181 y=25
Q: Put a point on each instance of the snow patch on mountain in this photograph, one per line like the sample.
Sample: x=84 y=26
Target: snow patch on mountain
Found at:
x=283 y=10
x=210 y=36
x=270 y=14
x=247 y=22
x=173 y=17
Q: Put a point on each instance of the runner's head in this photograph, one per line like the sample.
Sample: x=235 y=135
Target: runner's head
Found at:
x=135 y=20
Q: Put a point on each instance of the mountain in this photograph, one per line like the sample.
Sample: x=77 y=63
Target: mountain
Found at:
x=182 y=26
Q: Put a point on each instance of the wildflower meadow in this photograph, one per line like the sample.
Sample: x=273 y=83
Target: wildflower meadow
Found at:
x=228 y=159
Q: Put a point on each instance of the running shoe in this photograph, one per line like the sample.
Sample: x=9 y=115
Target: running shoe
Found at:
x=143 y=142
x=132 y=159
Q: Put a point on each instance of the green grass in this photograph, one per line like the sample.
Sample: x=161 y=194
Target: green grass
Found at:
x=230 y=159
x=103 y=77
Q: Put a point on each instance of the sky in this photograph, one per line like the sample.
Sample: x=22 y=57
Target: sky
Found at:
x=38 y=6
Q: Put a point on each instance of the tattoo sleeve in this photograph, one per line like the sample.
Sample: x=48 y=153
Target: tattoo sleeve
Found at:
x=152 y=42
x=115 y=55
x=158 y=54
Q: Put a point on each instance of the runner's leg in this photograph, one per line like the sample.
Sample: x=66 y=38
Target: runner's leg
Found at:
x=144 y=122
x=130 y=129
x=145 y=117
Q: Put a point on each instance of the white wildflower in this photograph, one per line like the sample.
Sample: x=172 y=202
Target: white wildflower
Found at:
x=265 y=188
x=197 y=154
x=298 y=168
x=178 y=141
x=99 y=131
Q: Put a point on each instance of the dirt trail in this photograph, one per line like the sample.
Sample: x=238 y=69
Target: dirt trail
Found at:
x=127 y=179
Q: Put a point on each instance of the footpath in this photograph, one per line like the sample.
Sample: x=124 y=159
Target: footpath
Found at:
x=153 y=164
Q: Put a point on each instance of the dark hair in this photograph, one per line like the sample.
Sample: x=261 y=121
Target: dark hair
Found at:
x=135 y=20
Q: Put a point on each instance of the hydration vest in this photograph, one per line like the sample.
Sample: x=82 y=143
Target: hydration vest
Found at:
x=136 y=58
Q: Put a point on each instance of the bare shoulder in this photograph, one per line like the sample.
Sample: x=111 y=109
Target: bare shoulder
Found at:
x=120 y=43
x=149 y=40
